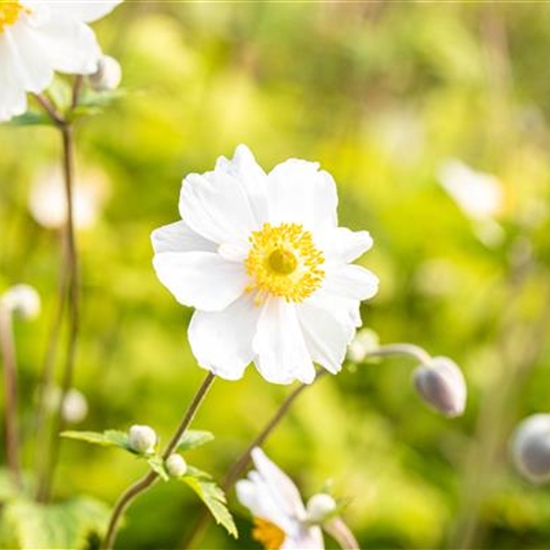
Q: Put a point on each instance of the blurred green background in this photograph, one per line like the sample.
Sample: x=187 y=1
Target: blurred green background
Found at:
x=383 y=94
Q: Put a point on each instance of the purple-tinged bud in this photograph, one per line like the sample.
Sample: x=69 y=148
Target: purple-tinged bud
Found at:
x=530 y=447
x=441 y=384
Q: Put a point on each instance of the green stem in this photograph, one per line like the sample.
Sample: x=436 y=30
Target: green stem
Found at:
x=143 y=484
x=7 y=349
x=241 y=463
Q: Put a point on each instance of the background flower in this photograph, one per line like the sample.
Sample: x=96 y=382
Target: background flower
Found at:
x=277 y=507
x=38 y=37
x=263 y=260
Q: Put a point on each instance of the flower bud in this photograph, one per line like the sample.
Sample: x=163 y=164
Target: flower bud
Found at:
x=365 y=341
x=22 y=300
x=75 y=407
x=107 y=76
x=530 y=448
x=175 y=465
x=320 y=507
x=142 y=439
x=441 y=384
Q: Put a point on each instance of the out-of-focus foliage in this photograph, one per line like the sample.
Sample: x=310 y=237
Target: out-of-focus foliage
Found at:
x=382 y=94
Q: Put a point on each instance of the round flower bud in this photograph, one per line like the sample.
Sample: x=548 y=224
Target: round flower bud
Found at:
x=530 y=448
x=365 y=341
x=142 y=439
x=22 y=300
x=441 y=384
x=107 y=76
x=320 y=507
x=75 y=407
x=175 y=465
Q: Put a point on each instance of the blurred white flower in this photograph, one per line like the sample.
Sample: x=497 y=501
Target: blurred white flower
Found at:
x=262 y=259
x=75 y=407
x=107 y=75
x=279 y=514
x=530 y=448
x=75 y=404
x=22 y=300
x=479 y=195
x=142 y=439
x=38 y=37
x=48 y=206
x=441 y=384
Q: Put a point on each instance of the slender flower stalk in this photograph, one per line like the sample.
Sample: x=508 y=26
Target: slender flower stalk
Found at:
x=71 y=277
x=45 y=385
x=7 y=350
x=242 y=462
x=143 y=484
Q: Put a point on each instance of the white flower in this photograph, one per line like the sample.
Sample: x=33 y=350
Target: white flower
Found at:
x=75 y=406
x=275 y=503
x=38 y=37
x=478 y=194
x=262 y=259
x=48 y=205
x=22 y=300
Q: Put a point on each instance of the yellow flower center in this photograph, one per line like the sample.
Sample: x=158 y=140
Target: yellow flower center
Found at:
x=284 y=262
x=10 y=11
x=268 y=534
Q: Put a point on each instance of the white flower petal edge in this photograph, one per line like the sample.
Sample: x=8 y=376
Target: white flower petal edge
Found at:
x=40 y=37
x=262 y=259
x=272 y=496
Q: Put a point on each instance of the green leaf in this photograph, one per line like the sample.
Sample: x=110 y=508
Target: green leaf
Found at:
x=157 y=464
x=212 y=495
x=109 y=438
x=69 y=524
x=32 y=118
x=194 y=438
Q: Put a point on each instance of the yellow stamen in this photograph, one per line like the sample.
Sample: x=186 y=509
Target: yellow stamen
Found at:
x=10 y=11
x=268 y=534
x=283 y=261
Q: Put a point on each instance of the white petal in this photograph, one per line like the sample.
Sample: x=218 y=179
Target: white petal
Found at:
x=282 y=355
x=244 y=168
x=26 y=52
x=351 y=281
x=84 y=11
x=215 y=206
x=222 y=341
x=255 y=494
x=328 y=329
x=306 y=538
x=179 y=237
x=298 y=192
x=345 y=310
x=67 y=45
x=13 y=99
x=200 y=279
x=344 y=246
x=282 y=488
